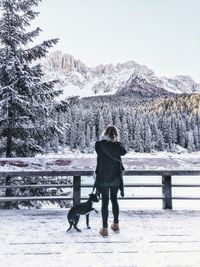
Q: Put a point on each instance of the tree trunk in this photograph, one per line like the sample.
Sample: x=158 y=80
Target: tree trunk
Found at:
x=8 y=191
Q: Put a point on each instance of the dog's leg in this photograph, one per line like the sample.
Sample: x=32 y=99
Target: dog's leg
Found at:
x=71 y=223
x=75 y=226
x=96 y=211
x=87 y=221
x=76 y=222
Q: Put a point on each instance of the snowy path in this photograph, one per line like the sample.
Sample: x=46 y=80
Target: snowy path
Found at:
x=148 y=238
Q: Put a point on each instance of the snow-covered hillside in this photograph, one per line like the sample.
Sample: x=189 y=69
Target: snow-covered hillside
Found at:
x=78 y=79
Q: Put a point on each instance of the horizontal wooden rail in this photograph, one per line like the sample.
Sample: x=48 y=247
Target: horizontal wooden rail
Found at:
x=90 y=173
x=185 y=185
x=148 y=185
x=186 y=197
x=35 y=198
x=36 y=186
x=56 y=198
x=71 y=185
x=50 y=198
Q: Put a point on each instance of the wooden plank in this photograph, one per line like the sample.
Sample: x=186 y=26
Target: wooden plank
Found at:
x=50 y=198
x=167 y=192
x=71 y=185
x=76 y=172
x=37 y=186
x=91 y=185
x=186 y=197
x=185 y=185
x=46 y=173
x=76 y=190
x=9 y=199
x=141 y=198
x=142 y=185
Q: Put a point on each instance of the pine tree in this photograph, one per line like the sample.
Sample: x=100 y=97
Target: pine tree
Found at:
x=101 y=125
x=107 y=115
x=27 y=102
x=82 y=144
x=137 y=138
x=117 y=121
x=147 y=141
x=69 y=123
x=174 y=129
x=124 y=133
x=93 y=140
x=190 y=141
x=154 y=131
x=80 y=133
x=160 y=141
x=167 y=133
x=129 y=124
x=196 y=137
x=182 y=133
x=88 y=136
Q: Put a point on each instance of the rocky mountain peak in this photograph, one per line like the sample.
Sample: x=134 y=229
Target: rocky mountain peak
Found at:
x=57 y=61
x=122 y=78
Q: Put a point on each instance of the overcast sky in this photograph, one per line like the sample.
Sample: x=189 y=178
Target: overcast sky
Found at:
x=161 y=34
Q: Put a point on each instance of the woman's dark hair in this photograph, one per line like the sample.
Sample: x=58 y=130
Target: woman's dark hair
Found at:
x=112 y=132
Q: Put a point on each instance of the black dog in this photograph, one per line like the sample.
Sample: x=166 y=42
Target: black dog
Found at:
x=81 y=209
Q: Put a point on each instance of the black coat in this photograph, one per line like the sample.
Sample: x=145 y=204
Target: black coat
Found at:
x=109 y=164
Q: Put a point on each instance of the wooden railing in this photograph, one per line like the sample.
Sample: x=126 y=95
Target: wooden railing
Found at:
x=85 y=167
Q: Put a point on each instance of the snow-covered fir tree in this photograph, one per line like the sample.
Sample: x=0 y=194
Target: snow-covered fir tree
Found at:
x=88 y=136
x=160 y=142
x=27 y=102
x=93 y=140
x=124 y=133
x=190 y=142
x=161 y=124
x=137 y=138
x=101 y=124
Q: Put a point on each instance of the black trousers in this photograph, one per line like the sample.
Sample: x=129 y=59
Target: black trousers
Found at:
x=105 y=201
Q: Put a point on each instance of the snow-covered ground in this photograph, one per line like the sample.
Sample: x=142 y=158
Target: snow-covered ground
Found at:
x=30 y=238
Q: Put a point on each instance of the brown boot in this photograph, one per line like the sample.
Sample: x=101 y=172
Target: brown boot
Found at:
x=104 y=232
x=115 y=227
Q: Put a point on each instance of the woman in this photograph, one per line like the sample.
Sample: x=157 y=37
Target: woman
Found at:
x=109 y=174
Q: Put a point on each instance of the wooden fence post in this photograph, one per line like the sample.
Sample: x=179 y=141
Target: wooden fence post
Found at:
x=76 y=190
x=167 y=192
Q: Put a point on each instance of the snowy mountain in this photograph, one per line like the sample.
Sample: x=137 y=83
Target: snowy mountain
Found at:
x=78 y=79
x=145 y=86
